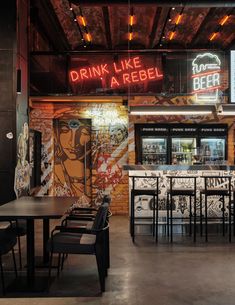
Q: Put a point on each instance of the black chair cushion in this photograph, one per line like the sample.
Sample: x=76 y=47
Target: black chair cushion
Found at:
x=74 y=243
x=7 y=240
x=80 y=223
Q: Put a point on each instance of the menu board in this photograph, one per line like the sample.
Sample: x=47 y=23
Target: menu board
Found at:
x=232 y=76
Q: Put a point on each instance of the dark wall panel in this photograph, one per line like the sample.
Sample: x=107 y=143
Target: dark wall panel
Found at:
x=7 y=24
x=6 y=186
x=6 y=80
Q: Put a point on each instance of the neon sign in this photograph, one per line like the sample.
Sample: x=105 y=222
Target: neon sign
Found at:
x=206 y=69
x=126 y=72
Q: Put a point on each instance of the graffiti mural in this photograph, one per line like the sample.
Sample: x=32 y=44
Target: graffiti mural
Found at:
x=22 y=170
x=109 y=143
x=72 y=175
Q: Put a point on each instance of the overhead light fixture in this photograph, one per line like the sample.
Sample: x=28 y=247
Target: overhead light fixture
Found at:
x=131 y=20
x=224 y=20
x=172 y=110
x=173 y=8
x=178 y=19
x=83 y=22
x=212 y=37
x=172 y=34
x=88 y=37
x=130 y=36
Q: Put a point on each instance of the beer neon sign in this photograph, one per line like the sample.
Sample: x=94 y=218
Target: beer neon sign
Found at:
x=125 y=72
x=206 y=69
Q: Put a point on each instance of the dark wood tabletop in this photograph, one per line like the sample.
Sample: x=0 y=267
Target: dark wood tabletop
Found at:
x=36 y=207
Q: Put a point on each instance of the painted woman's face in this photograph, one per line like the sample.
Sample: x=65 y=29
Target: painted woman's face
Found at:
x=71 y=138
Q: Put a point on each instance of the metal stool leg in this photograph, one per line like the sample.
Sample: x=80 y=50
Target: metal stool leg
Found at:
x=190 y=215
x=195 y=218
x=201 y=227
x=171 y=216
x=167 y=215
x=156 y=218
x=206 y=228
x=223 y=216
x=229 y=219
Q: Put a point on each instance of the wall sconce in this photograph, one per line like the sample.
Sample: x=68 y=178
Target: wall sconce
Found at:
x=18 y=81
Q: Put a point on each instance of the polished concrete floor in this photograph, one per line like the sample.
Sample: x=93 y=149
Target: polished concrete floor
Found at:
x=143 y=273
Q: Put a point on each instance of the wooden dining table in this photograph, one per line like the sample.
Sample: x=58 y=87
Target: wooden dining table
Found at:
x=30 y=209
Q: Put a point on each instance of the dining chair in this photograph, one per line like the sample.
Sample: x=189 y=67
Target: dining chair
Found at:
x=20 y=228
x=79 y=240
x=7 y=242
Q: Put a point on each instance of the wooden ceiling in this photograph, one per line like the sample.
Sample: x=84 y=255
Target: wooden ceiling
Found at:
x=108 y=26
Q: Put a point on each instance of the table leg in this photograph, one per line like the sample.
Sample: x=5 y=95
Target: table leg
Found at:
x=30 y=250
x=46 y=232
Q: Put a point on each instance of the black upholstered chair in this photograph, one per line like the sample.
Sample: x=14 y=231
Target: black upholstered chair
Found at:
x=20 y=228
x=7 y=242
x=78 y=240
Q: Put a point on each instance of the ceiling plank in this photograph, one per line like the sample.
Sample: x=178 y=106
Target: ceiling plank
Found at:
x=47 y=22
x=154 y=27
x=202 y=27
x=107 y=27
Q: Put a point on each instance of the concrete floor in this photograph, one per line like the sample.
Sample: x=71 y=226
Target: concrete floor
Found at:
x=145 y=273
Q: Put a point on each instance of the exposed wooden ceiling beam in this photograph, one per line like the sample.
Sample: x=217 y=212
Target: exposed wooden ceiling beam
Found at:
x=107 y=26
x=154 y=27
x=48 y=22
x=201 y=28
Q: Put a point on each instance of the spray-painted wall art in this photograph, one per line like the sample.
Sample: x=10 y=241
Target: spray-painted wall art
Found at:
x=22 y=170
x=72 y=162
x=61 y=159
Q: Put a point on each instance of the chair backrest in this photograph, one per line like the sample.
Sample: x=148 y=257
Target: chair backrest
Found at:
x=100 y=218
x=106 y=200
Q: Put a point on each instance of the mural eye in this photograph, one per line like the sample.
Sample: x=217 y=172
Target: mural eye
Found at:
x=74 y=124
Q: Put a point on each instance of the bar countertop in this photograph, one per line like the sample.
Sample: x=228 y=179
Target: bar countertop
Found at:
x=197 y=167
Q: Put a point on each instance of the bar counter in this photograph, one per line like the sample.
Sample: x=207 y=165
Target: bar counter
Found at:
x=201 y=167
x=143 y=204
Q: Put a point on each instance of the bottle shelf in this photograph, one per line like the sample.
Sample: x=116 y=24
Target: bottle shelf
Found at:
x=154 y=153
x=182 y=153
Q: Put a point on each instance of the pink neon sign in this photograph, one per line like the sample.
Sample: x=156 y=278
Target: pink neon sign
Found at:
x=126 y=72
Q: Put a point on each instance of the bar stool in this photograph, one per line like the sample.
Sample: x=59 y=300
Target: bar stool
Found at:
x=222 y=190
x=145 y=192
x=188 y=192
